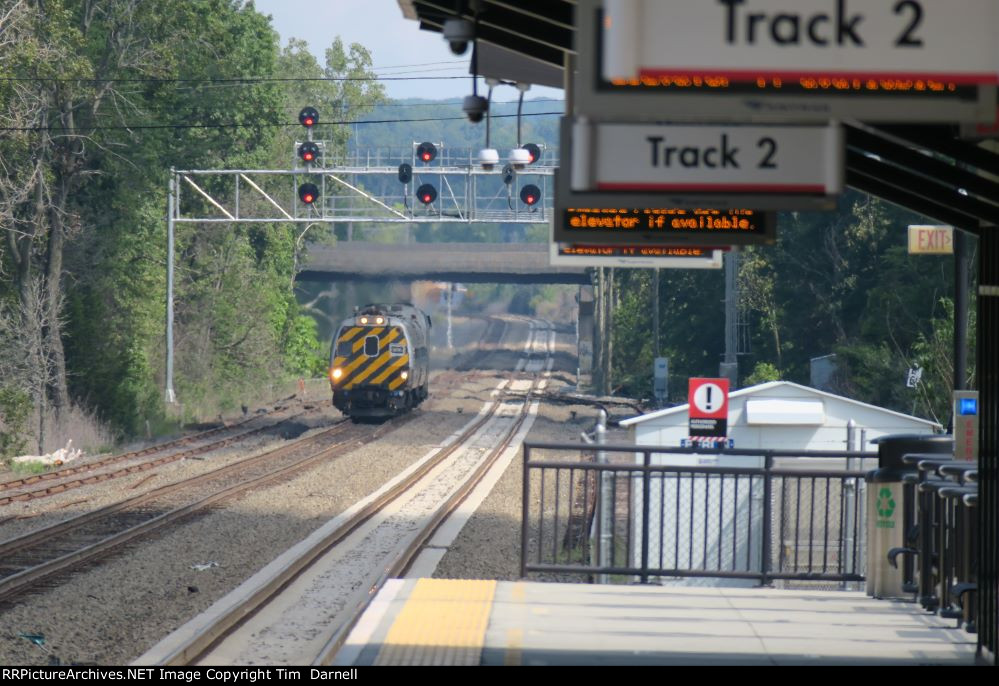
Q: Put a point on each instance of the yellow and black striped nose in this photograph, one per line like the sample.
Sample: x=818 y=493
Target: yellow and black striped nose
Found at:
x=370 y=356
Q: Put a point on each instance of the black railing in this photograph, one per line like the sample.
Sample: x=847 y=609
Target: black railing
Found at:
x=942 y=536
x=636 y=512
x=987 y=372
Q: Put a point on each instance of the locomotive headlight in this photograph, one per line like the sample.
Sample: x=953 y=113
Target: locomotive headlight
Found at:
x=379 y=320
x=336 y=374
x=364 y=320
x=404 y=375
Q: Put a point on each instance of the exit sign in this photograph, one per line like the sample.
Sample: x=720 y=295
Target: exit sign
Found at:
x=931 y=240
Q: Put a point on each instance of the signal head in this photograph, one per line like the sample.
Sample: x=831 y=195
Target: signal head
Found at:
x=308 y=152
x=508 y=174
x=426 y=152
x=426 y=194
x=530 y=194
x=308 y=193
x=405 y=173
x=535 y=151
x=308 y=117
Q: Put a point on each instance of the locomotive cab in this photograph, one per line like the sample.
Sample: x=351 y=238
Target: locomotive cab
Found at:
x=379 y=362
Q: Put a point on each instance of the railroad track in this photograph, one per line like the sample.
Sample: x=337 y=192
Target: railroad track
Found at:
x=487 y=346
x=29 y=559
x=300 y=607
x=116 y=466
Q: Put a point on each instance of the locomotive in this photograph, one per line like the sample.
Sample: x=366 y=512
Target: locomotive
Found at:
x=379 y=362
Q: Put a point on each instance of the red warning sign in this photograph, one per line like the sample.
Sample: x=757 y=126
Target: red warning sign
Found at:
x=708 y=411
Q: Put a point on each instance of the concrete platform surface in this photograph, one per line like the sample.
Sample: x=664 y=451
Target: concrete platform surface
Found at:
x=443 y=621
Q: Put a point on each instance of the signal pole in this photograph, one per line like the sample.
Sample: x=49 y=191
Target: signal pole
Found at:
x=729 y=368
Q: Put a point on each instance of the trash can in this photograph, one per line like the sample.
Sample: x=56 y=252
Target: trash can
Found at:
x=885 y=524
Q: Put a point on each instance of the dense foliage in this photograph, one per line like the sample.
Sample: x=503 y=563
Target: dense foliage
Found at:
x=101 y=98
x=837 y=283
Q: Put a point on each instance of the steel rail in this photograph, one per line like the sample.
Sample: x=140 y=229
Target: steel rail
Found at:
x=17 y=583
x=184 y=440
x=405 y=559
x=61 y=487
x=193 y=648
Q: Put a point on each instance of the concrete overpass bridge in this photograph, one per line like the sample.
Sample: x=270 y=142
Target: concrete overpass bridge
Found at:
x=461 y=262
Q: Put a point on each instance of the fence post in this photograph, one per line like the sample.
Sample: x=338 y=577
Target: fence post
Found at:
x=525 y=513
x=767 y=516
x=645 y=516
x=605 y=505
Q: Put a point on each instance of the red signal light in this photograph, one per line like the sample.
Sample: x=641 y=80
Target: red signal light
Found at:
x=534 y=150
x=308 y=117
x=426 y=152
x=530 y=194
x=308 y=151
x=426 y=194
x=308 y=193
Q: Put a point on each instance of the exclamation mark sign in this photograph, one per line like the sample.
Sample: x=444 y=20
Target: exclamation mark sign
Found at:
x=708 y=407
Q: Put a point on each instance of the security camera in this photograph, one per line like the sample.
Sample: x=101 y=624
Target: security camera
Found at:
x=488 y=158
x=475 y=106
x=458 y=32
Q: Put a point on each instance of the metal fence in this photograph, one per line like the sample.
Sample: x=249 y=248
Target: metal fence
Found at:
x=646 y=513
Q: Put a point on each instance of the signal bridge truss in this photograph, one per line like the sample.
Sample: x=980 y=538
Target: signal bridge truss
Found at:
x=361 y=187
x=364 y=187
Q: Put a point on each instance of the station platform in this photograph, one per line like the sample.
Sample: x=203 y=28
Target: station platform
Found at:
x=465 y=622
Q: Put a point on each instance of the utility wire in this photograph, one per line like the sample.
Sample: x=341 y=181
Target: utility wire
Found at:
x=140 y=127
x=244 y=79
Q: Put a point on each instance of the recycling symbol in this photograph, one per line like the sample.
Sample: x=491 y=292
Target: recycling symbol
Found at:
x=885 y=504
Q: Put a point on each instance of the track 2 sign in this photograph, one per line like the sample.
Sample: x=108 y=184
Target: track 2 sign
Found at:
x=708 y=407
x=791 y=160
x=772 y=61
x=945 y=41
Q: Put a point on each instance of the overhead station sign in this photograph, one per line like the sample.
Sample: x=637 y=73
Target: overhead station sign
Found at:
x=634 y=256
x=774 y=61
x=663 y=225
x=934 y=44
x=788 y=160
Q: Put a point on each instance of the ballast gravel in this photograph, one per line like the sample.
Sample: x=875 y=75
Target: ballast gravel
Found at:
x=111 y=612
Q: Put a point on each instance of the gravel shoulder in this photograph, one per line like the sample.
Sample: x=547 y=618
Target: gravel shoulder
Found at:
x=488 y=546
x=115 y=610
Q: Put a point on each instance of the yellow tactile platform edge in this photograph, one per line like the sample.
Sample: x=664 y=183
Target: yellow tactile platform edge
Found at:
x=443 y=622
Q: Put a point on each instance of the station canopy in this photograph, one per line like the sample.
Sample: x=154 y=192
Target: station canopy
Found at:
x=936 y=170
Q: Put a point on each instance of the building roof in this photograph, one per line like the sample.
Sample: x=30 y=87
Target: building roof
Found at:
x=764 y=389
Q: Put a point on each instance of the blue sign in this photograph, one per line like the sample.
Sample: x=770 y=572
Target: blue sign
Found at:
x=968 y=406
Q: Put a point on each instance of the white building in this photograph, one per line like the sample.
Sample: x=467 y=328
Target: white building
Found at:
x=710 y=522
x=782 y=415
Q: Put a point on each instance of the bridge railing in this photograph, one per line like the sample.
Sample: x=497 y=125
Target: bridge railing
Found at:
x=642 y=513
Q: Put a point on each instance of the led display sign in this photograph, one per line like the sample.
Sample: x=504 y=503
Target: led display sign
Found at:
x=664 y=225
x=635 y=256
